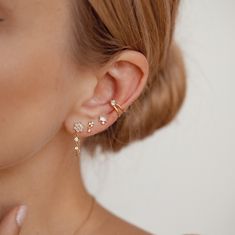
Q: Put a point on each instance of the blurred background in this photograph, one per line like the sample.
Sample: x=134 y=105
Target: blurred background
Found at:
x=181 y=180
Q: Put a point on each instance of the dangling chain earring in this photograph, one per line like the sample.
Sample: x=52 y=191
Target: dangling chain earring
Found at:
x=79 y=127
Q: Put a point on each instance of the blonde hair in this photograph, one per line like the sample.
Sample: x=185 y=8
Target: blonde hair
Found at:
x=104 y=28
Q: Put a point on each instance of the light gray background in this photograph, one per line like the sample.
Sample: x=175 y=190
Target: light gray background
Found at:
x=181 y=180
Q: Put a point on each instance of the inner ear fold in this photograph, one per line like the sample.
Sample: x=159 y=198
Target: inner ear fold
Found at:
x=123 y=80
x=99 y=103
x=104 y=91
x=127 y=76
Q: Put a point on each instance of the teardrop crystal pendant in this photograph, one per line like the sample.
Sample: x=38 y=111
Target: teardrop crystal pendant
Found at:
x=102 y=120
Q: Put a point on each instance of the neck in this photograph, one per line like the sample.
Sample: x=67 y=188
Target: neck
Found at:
x=51 y=186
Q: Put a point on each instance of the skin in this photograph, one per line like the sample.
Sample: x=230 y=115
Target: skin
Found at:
x=42 y=92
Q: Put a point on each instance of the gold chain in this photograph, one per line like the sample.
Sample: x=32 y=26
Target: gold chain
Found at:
x=87 y=217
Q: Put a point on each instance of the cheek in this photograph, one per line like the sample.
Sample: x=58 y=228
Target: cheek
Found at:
x=30 y=103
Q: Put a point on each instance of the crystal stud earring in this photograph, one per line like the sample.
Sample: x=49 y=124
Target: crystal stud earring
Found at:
x=90 y=126
x=102 y=120
x=78 y=126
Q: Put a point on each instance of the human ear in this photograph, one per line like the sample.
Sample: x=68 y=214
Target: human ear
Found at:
x=123 y=79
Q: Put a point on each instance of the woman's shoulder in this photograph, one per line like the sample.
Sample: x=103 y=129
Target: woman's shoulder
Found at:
x=107 y=223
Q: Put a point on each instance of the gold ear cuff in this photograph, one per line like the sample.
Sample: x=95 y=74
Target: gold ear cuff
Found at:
x=117 y=107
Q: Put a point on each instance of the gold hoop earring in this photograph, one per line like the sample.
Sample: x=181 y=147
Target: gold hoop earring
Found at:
x=117 y=107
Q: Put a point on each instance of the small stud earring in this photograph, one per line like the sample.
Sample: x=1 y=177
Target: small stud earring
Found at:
x=78 y=126
x=90 y=126
x=102 y=120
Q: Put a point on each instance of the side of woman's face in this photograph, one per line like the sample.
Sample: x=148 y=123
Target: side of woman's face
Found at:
x=35 y=79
